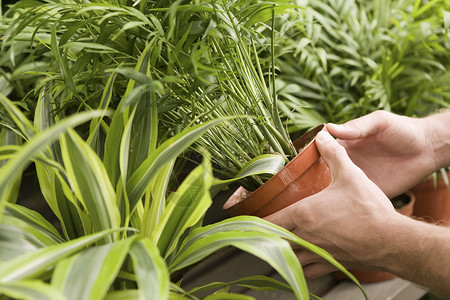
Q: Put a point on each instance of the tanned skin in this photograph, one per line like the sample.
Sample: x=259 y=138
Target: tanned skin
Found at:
x=373 y=159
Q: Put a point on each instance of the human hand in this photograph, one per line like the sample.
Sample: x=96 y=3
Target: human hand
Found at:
x=348 y=218
x=393 y=151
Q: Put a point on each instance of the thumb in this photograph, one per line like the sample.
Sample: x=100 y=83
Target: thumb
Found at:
x=360 y=127
x=333 y=154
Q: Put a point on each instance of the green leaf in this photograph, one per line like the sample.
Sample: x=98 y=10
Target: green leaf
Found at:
x=228 y=296
x=267 y=246
x=32 y=264
x=30 y=290
x=151 y=271
x=153 y=210
x=62 y=62
x=262 y=164
x=185 y=208
x=124 y=294
x=33 y=148
x=90 y=46
x=244 y=224
x=15 y=242
x=166 y=152
x=258 y=282
x=33 y=219
x=90 y=182
x=21 y=121
x=446 y=17
x=89 y=275
x=265 y=13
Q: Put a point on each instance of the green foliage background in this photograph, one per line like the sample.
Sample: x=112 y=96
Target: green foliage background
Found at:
x=107 y=99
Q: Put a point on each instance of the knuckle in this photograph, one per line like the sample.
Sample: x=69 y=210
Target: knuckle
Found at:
x=304 y=214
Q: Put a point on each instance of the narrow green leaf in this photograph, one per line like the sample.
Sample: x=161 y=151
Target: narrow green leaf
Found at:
x=89 y=275
x=124 y=294
x=30 y=290
x=166 y=152
x=33 y=264
x=153 y=210
x=185 y=208
x=258 y=282
x=33 y=148
x=21 y=121
x=151 y=271
x=264 y=164
x=90 y=46
x=90 y=182
x=62 y=62
x=254 y=224
x=228 y=296
x=267 y=246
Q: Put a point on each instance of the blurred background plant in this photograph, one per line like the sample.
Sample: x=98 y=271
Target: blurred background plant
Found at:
x=344 y=59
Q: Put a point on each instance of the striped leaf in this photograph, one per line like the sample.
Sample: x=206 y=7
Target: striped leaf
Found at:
x=266 y=164
x=185 y=208
x=30 y=290
x=90 y=182
x=267 y=246
x=260 y=226
x=33 y=148
x=89 y=275
x=35 y=263
x=151 y=271
x=258 y=282
x=165 y=153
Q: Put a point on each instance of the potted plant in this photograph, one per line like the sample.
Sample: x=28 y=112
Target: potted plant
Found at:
x=104 y=161
x=433 y=199
x=252 y=148
x=305 y=175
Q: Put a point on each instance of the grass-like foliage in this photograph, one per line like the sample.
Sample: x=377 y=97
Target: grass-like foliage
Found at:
x=103 y=98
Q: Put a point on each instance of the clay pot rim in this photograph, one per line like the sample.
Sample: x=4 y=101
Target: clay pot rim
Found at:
x=310 y=137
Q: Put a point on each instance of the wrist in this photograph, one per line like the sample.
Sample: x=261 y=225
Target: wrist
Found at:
x=390 y=234
x=419 y=252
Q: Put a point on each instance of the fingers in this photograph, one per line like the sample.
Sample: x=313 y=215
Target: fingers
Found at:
x=317 y=269
x=359 y=128
x=332 y=153
x=313 y=265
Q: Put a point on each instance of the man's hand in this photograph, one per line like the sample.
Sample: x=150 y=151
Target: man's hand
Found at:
x=395 y=152
x=346 y=219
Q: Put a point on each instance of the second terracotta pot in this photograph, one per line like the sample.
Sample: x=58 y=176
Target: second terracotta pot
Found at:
x=433 y=201
x=305 y=175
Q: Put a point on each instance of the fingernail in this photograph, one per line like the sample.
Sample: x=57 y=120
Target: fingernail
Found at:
x=334 y=126
x=324 y=136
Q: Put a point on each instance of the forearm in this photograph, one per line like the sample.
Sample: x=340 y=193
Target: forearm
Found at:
x=419 y=252
x=438 y=133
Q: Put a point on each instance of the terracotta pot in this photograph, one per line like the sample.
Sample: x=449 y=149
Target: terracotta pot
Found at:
x=433 y=203
x=377 y=276
x=305 y=175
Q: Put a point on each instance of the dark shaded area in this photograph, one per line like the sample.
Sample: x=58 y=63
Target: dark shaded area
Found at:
x=6 y=3
x=31 y=197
